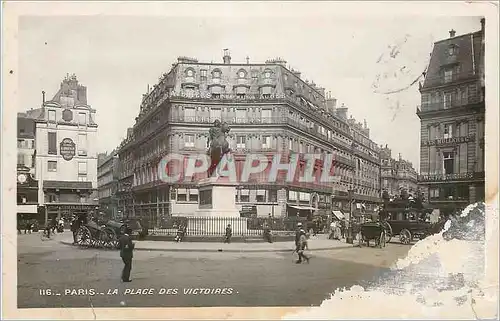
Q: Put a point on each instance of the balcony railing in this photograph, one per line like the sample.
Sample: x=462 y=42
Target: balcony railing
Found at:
x=259 y=120
x=453 y=103
x=449 y=79
x=452 y=177
x=449 y=141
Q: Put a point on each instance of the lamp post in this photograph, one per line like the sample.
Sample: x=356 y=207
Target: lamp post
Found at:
x=349 y=238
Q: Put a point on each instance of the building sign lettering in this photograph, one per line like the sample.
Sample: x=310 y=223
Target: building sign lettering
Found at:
x=446 y=141
x=67 y=149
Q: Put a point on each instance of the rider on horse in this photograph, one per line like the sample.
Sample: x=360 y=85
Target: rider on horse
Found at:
x=217 y=144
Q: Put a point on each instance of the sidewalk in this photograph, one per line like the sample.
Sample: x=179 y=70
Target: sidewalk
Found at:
x=316 y=243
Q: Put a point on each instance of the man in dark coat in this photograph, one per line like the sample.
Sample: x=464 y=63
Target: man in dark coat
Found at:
x=75 y=226
x=229 y=233
x=126 y=253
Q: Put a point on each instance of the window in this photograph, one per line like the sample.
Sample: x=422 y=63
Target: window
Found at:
x=452 y=50
x=189 y=114
x=20 y=159
x=266 y=115
x=447 y=100
x=266 y=141
x=267 y=74
x=193 y=195
x=242 y=74
x=448 y=75
x=215 y=96
x=188 y=140
x=244 y=195
x=216 y=74
x=266 y=96
x=301 y=147
x=52 y=115
x=240 y=96
x=82 y=118
x=215 y=113
x=82 y=144
x=448 y=131
x=52 y=166
x=203 y=75
x=261 y=196
x=181 y=195
x=240 y=115
x=255 y=74
x=20 y=143
x=290 y=144
x=52 y=139
x=240 y=141
x=448 y=162
x=82 y=168
x=190 y=73
x=273 y=195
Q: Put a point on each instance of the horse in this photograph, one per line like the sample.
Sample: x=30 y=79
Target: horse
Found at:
x=218 y=148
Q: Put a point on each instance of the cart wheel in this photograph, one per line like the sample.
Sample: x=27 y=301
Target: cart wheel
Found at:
x=83 y=237
x=381 y=242
x=405 y=236
x=388 y=231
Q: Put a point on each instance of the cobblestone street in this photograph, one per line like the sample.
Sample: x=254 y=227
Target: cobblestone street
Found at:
x=246 y=279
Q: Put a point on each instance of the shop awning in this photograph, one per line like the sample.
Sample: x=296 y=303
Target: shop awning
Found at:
x=27 y=209
x=338 y=214
x=308 y=208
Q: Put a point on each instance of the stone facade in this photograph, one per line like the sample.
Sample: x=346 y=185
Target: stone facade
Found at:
x=270 y=109
x=66 y=156
x=397 y=175
x=452 y=122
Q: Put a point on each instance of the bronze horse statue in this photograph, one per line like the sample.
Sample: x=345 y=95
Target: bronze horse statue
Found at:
x=217 y=144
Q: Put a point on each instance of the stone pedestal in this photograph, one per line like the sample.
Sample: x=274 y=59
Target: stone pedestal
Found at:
x=216 y=209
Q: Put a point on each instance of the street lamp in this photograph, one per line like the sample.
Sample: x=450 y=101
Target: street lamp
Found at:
x=349 y=238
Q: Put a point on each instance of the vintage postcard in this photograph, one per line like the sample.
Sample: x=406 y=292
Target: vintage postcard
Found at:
x=253 y=160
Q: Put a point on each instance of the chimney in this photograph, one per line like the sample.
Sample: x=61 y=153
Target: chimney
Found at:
x=331 y=104
x=482 y=25
x=227 y=57
x=452 y=33
x=43 y=96
x=248 y=60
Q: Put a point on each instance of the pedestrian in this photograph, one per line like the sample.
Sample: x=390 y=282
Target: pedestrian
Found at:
x=75 y=226
x=19 y=227
x=301 y=243
x=53 y=225
x=229 y=233
x=342 y=228
x=126 y=253
x=27 y=227
x=267 y=233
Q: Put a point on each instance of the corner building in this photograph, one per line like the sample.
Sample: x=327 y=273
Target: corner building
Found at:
x=452 y=122
x=270 y=110
x=66 y=157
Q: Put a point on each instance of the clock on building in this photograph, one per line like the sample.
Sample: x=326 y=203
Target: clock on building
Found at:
x=21 y=178
x=67 y=115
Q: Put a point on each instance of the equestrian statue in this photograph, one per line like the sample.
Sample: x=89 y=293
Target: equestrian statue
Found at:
x=217 y=144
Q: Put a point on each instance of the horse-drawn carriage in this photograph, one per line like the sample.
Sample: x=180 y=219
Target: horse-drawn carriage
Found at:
x=92 y=234
x=375 y=231
x=407 y=222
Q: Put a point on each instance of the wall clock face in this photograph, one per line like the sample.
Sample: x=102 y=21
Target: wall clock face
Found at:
x=67 y=115
x=21 y=178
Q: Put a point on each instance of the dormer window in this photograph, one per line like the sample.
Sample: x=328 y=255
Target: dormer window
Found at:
x=267 y=74
x=216 y=75
x=190 y=75
x=242 y=74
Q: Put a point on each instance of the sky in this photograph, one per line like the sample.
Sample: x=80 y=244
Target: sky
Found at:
x=359 y=60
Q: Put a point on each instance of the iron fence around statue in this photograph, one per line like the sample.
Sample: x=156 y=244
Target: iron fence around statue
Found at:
x=212 y=226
